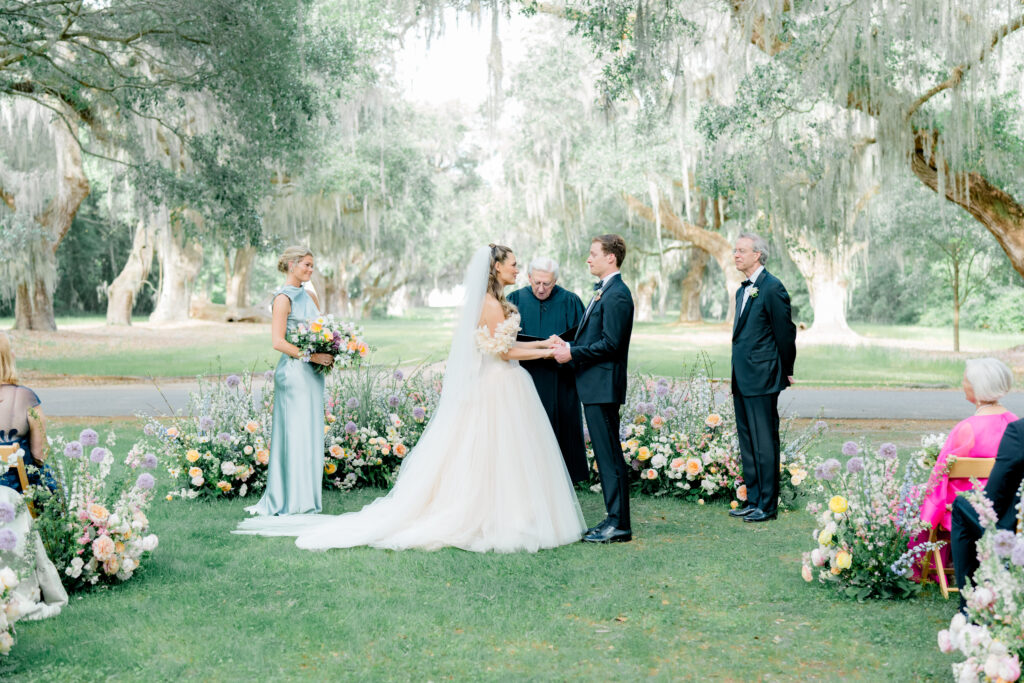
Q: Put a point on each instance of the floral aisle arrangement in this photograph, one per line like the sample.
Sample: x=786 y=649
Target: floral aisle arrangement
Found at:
x=343 y=340
x=868 y=518
x=94 y=526
x=221 y=447
x=9 y=611
x=991 y=637
x=374 y=417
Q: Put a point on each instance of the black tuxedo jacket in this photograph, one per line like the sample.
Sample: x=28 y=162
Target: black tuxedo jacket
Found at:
x=1007 y=473
x=600 y=350
x=763 y=339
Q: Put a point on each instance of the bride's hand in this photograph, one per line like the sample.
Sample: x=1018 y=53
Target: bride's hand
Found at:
x=322 y=359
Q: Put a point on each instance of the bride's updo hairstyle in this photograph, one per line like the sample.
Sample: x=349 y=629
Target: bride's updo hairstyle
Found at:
x=498 y=255
x=290 y=256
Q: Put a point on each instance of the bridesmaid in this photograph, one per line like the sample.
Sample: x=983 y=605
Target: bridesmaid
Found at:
x=296 y=467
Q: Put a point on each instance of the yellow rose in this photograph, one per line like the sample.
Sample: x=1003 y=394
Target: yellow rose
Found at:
x=825 y=537
x=835 y=570
x=844 y=559
x=97 y=513
x=837 y=504
x=194 y=472
x=119 y=546
x=694 y=467
x=632 y=444
x=252 y=426
x=192 y=455
x=714 y=419
x=734 y=505
x=223 y=486
x=263 y=456
x=316 y=326
x=327 y=428
x=172 y=432
x=643 y=454
x=330 y=468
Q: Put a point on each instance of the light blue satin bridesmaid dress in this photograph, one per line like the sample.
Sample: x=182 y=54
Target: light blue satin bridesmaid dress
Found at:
x=296 y=469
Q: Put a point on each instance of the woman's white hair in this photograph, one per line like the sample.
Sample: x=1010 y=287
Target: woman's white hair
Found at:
x=989 y=378
x=543 y=264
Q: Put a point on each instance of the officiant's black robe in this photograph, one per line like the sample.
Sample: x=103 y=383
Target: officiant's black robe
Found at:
x=556 y=384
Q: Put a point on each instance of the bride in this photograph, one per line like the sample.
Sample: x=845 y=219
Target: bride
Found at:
x=487 y=473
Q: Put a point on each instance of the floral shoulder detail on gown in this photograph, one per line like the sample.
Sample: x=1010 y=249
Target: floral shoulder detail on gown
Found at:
x=503 y=339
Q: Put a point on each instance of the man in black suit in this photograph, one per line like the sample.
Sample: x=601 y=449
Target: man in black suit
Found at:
x=763 y=353
x=1001 y=488
x=599 y=353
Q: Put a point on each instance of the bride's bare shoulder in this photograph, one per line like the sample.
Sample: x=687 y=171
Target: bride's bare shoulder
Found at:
x=492 y=311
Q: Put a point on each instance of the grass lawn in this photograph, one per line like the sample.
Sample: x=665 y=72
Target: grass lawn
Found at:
x=697 y=595
x=660 y=348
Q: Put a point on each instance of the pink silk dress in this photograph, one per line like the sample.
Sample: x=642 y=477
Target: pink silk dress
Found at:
x=976 y=437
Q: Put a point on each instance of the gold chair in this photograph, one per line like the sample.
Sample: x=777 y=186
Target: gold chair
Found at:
x=961 y=468
x=5 y=453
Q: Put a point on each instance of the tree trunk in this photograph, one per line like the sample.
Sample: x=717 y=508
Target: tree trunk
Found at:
x=645 y=300
x=238 y=276
x=692 y=286
x=122 y=291
x=33 y=303
x=825 y=273
x=179 y=265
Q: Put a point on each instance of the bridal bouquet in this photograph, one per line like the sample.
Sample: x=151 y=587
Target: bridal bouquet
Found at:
x=343 y=340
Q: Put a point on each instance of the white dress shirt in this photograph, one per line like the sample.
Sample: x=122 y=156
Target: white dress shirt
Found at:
x=746 y=290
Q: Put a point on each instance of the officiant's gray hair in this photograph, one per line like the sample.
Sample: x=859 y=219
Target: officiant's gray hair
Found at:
x=760 y=244
x=545 y=264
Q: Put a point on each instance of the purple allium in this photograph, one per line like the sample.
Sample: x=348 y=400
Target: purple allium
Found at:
x=887 y=451
x=206 y=423
x=149 y=429
x=89 y=437
x=233 y=381
x=352 y=403
x=851 y=448
x=98 y=455
x=399 y=375
x=6 y=512
x=149 y=461
x=854 y=465
x=145 y=481
x=8 y=539
x=394 y=400
x=418 y=413
x=73 y=450
x=662 y=389
x=1017 y=557
x=224 y=437
x=828 y=469
x=1004 y=542
x=350 y=427
x=268 y=375
x=670 y=413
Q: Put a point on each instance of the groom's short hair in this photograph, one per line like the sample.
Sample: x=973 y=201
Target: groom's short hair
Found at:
x=613 y=244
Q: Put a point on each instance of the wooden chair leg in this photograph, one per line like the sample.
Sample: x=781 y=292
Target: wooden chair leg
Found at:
x=940 y=573
x=926 y=560
x=23 y=480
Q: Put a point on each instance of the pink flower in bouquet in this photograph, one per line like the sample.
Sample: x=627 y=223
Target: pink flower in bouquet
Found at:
x=103 y=548
x=97 y=513
x=806 y=573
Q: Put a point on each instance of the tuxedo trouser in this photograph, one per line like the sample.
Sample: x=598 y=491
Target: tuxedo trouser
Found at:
x=757 y=429
x=963 y=541
x=603 y=424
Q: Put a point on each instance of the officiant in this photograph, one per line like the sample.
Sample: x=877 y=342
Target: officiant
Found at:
x=547 y=309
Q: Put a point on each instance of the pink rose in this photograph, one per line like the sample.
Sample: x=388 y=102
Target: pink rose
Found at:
x=946 y=642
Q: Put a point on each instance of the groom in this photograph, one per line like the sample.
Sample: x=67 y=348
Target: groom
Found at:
x=598 y=354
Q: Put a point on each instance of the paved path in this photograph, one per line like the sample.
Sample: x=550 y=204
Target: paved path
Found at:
x=917 y=404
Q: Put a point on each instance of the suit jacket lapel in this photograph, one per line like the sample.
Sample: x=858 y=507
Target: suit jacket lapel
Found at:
x=590 y=311
x=741 y=319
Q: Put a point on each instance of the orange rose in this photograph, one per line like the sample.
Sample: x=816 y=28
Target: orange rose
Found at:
x=652 y=474
x=401 y=450
x=336 y=451
x=263 y=456
x=694 y=467
x=677 y=464
x=741 y=492
x=714 y=419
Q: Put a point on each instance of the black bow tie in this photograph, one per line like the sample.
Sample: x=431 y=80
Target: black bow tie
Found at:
x=746 y=283
x=597 y=285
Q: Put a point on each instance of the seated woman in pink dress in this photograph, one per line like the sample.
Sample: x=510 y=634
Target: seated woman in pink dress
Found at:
x=986 y=380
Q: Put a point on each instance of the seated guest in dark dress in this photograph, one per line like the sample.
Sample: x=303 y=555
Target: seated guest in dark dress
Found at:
x=1001 y=489
x=21 y=423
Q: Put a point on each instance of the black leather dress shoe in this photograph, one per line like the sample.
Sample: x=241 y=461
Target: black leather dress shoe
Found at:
x=609 y=534
x=602 y=524
x=742 y=512
x=759 y=515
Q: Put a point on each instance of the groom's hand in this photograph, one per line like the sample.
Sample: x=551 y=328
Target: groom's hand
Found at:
x=562 y=353
x=555 y=340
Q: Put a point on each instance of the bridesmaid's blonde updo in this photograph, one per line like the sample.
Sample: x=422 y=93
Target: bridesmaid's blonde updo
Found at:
x=290 y=256
x=8 y=371
x=499 y=254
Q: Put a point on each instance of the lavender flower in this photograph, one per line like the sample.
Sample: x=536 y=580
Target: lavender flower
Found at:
x=1017 y=556
x=887 y=451
x=98 y=455
x=73 y=450
x=145 y=481
x=851 y=448
x=854 y=465
x=206 y=423
x=268 y=375
x=670 y=413
x=352 y=403
x=1004 y=542
x=6 y=512
x=89 y=437
x=8 y=539
x=351 y=428
x=820 y=426
x=149 y=429
x=233 y=381
x=418 y=413
x=149 y=461
x=224 y=437
x=662 y=389
x=399 y=375
x=394 y=400
x=827 y=470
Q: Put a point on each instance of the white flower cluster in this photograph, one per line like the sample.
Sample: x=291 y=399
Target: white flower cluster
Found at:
x=503 y=339
x=10 y=609
x=988 y=659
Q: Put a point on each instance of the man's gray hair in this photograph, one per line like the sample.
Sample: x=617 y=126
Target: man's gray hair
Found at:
x=760 y=244
x=544 y=264
x=989 y=378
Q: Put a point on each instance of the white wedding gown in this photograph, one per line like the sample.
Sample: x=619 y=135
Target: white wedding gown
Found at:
x=486 y=475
